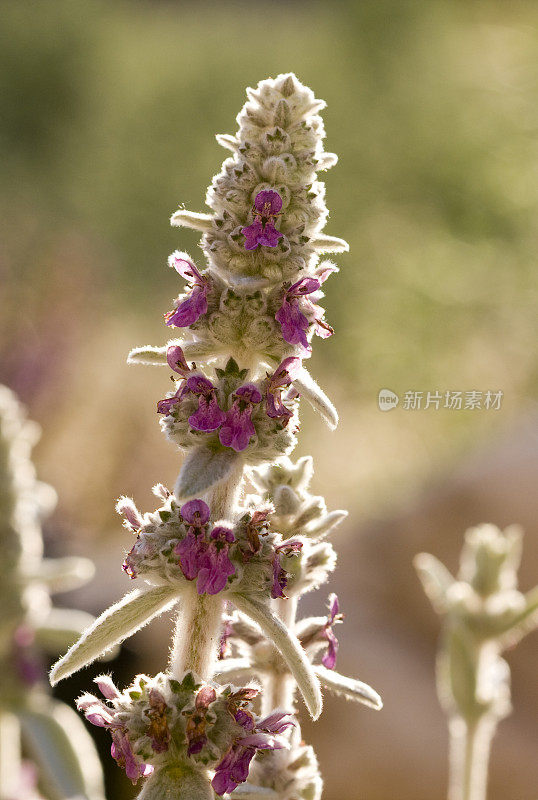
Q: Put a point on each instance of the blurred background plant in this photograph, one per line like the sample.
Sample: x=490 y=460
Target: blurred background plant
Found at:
x=43 y=746
x=431 y=107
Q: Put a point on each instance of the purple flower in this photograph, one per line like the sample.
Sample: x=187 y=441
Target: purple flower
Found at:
x=190 y=549
x=267 y=205
x=97 y=713
x=280 y=380
x=214 y=565
x=166 y=405
x=233 y=769
x=237 y=428
x=196 y=513
x=295 y=322
x=196 y=720
x=334 y=616
x=195 y=305
x=176 y=360
x=209 y=416
x=280 y=578
x=122 y=752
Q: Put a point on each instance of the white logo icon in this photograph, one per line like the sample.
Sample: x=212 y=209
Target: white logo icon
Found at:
x=387 y=400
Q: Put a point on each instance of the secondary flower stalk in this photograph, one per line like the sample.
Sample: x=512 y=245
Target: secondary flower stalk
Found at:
x=483 y=613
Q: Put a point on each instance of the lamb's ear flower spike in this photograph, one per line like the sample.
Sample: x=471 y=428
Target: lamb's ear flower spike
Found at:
x=243 y=328
x=483 y=613
x=64 y=760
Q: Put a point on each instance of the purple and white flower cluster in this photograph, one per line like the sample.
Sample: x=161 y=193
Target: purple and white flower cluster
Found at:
x=232 y=412
x=161 y=719
x=180 y=542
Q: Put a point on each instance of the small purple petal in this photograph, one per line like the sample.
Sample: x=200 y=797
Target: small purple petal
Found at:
x=190 y=310
x=280 y=579
x=222 y=534
x=199 y=384
x=106 y=686
x=214 y=563
x=190 y=550
x=252 y=233
x=196 y=512
x=268 y=203
x=293 y=324
x=329 y=657
x=165 y=406
x=185 y=268
x=250 y=393
x=277 y=722
x=209 y=416
x=237 y=429
x=281 y=378
x=176 y=360
x=303 y=287
x=334 y=608
x=269 y=236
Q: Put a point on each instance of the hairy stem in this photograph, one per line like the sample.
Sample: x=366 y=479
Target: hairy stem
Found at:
x=10 y=756
x=469 y=755
x=199 y=621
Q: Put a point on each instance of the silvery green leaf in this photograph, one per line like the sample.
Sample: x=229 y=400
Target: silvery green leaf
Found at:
x=62 y=574
x=323 y=526
x=308 y=388
x=148 y=355
x=309 y=627
x=327 y=160
x=61 y=628
x=202 y=469
x=348 y=687
x=118 y=622
x=234 y=669
x=435 y=578
x=193 y=220
x=57 y=741
x=289 y=647
x=522 y=623
x=227 y=141
x=286 y=500
x=329 y=244
x=245 y=791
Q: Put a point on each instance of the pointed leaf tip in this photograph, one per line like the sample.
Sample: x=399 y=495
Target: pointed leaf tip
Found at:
x=289 y=647
x=309 y=389
x=349 y=688
x=118 y=622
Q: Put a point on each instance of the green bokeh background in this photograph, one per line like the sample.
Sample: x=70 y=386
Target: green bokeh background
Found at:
x=108 y=112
